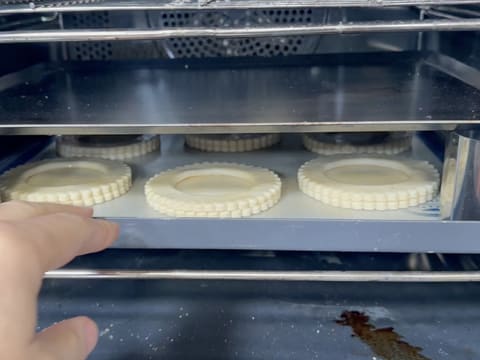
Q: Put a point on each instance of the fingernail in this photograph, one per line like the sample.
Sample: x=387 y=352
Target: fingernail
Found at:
x=115 y=231
x=87 y=209
x=110 y=232
x=90 y=331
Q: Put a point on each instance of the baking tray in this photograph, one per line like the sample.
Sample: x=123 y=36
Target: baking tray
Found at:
x=284 y=159
x=295 y=223
x=353 y=92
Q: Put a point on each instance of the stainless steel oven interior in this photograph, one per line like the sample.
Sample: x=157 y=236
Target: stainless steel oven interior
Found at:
x=269 y=286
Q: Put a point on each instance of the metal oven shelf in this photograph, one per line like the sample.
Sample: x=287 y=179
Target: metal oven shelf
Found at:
x=72 y=35
x=107 y=5
x=358 y=92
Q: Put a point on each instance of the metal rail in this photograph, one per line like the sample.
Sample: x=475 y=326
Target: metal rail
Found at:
x=327 y=276
x=109 y=5
x=29 y=22
x=154 y=34
x=440 y=14
x=458 y=11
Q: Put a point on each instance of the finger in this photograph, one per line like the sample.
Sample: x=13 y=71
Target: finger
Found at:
x=72 y=339
x=56 y=239
x=30 y=247
x=19 y=210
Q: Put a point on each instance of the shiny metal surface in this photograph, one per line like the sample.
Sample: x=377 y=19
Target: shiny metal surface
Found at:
x=259 y=275
x=458 y=11
x=251 y=320
x=271 y=266
x=282 y=320
x=29 y=7
x=10 y=37
x=232 y=47
x=355 y=138
x=28 y=22
x=381 y=92
x=449 y=176
x=460 y=196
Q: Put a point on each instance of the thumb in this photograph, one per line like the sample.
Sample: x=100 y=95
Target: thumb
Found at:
x=72 y=339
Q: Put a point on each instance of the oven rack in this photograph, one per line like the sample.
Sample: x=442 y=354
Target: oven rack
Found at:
x=35 y=6
x=271 y=266
x=262 y=275
x=61 y=35
x=432 y=16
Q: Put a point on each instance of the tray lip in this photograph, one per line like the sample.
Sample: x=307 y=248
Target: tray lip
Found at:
x=340 y=235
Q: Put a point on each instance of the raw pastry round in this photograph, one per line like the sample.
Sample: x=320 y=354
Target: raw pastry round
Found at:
x=213 y=190
x=369 y=183
x=231 y=142
x=357 y=143
x=113 y=147
x=82 y=182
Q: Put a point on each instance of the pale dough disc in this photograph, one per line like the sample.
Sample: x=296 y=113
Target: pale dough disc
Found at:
x=358 y=143
x=365 y=183
x=113 y=147
x=231 y=142
x=213 y=190
x=82 y=182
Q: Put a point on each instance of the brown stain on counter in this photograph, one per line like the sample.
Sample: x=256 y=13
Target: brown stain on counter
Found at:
x=384 y=342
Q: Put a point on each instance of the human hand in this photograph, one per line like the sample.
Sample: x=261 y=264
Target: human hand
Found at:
x=35 y=238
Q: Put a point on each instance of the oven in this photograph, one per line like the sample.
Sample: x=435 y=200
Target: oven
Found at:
x=302 y=279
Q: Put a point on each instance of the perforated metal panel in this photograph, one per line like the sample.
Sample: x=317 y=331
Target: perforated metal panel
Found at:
x=192 y=47
x=89 y=50
x=213 y=47
x=107 y=50
x=208 y=47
